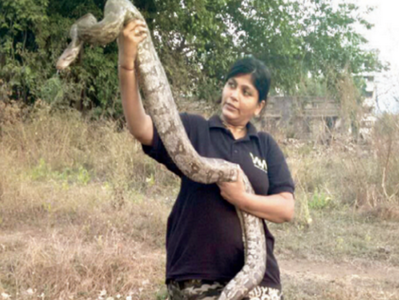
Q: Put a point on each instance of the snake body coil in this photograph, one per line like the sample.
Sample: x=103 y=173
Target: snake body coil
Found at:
x=161 y=106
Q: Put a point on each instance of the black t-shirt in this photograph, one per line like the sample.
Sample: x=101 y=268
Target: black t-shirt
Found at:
x=204 y=237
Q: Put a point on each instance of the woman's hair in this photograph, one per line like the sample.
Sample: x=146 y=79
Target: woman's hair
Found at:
x=260 y=74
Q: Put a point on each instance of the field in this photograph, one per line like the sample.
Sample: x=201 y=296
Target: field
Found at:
x=83 y=213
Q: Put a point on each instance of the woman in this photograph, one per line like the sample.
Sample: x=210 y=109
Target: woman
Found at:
x=204 y=244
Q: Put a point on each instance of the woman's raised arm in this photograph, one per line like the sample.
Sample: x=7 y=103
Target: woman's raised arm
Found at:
x=139 y=123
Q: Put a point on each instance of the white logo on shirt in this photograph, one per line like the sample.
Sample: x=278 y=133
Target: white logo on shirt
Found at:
x=259 y=163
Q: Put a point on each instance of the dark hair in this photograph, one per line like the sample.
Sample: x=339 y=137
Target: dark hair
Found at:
x=260 y=74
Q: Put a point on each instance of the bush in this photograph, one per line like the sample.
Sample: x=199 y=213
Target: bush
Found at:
x=345 y=174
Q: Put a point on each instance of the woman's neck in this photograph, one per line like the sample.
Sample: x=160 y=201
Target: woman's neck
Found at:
x=238 y=131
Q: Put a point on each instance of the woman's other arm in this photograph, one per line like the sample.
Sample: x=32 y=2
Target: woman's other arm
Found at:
x=277 y=208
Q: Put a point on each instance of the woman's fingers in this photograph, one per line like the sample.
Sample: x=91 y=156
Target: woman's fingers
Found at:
x=135 y=25
x=140 y=31
x=132 y=34
x=132 y=23
x=136 y=31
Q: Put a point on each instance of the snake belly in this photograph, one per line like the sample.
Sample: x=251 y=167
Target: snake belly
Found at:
x=160 y=105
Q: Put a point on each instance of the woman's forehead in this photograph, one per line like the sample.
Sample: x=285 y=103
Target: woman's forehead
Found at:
x=244 y=79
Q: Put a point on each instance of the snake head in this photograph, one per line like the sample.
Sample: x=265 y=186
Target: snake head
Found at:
x=67 y=57
x=72 y=51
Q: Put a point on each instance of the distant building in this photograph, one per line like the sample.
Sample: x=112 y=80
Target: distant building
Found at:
x=305 y=117
x=369 y=106
x=317 y=117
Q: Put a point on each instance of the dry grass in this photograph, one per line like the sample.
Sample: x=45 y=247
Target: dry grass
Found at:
x=340 y=236
x=347 y=174
x=83 y=211
x=347 y=287
x=79 y=210
x=67 y=263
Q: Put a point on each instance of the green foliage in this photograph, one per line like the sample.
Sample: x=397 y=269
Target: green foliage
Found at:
x=43 y=171
x=319 y=200
x=312 y=87
x=20 y=22
x=52 y=91
x=40 y=170
x=35 y=33
x=162 y=294
x=196 y=42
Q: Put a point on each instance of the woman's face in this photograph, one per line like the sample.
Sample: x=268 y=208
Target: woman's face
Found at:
x=240 y=100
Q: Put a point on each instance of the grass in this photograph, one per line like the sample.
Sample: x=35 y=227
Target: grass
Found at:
x=79 y=210
x=83 y=214
x=301 y=288
x=340 y=235
x=82 y=243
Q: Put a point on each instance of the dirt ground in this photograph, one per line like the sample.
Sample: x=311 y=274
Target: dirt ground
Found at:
x=345 y=270
x=304 y=279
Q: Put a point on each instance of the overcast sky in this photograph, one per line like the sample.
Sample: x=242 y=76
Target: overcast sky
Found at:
x=385 y=37
x=385 y=34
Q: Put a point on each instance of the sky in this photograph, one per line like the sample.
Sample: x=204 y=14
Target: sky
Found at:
x=384 y=36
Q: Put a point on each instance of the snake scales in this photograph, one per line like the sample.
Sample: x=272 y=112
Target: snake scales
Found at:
x=161 y=106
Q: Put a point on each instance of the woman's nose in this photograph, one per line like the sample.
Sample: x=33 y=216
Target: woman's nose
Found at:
x=234 y=94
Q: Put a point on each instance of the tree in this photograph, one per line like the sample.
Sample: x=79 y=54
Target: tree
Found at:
x=196 y=40
x=21 y=22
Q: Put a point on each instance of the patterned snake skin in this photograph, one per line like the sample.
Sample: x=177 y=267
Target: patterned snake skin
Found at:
x=161 y=106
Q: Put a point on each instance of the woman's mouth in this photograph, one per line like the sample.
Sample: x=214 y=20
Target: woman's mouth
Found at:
x=230 y=107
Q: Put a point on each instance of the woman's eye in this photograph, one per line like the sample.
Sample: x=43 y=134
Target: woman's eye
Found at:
x=247 y=93
x=231 y=83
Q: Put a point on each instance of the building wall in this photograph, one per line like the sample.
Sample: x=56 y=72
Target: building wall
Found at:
x=306 y=117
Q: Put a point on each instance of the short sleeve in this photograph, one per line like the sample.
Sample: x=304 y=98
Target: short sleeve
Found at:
x=158 y=152
x=280 y=179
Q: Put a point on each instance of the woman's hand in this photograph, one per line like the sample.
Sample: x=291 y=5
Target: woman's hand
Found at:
x=234 y=192
x=129 y=39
